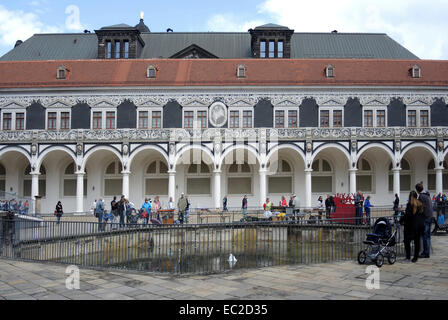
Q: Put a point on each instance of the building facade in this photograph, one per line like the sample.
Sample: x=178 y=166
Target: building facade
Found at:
x=264 y=114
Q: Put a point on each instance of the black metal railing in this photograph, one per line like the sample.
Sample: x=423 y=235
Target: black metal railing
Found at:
x=187 y=248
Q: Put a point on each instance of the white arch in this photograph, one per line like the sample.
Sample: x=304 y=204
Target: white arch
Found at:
x=42 y=156
x=417 y=145
x=249 y=149
x=331 y=145
x=16 y=149
x=376 y=145
x=286 y=146
x=147 y=147
x=96 y=149
x=191 y=147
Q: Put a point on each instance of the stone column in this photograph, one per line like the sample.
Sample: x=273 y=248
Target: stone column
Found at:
x=439 y=180
x=396 y=172
x=125 y=175
x=34 y=189
x=172 y=185
x=217 y=189
x=262 y=173
x=353 y=180
x=308 y=188
x=80 y=192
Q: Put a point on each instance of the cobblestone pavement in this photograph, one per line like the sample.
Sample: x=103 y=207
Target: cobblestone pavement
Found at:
x=427 y=279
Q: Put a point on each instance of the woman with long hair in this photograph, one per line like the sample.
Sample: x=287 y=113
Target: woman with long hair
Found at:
x=413 y=221
x=58 y=212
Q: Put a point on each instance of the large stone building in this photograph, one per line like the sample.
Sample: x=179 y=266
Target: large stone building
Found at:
x=269 y=112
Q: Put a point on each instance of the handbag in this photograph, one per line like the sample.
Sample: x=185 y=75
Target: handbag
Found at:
x=55 y=212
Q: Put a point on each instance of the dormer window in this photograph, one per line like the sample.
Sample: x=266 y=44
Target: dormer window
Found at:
x=271 y=41
x=241 y=71
x=416 y=71
x=151 y=72
x=61 y=72
x=329 y=71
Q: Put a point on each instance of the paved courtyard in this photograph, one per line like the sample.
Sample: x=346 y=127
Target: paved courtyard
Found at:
x=427 y=279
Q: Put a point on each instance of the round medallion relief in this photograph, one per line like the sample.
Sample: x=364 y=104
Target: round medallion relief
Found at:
x=218 y=114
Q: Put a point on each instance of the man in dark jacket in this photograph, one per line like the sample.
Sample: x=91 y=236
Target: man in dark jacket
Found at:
x=425 y=199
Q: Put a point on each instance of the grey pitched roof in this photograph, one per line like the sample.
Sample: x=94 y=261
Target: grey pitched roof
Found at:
x=222 y=44
x=117 y=26
x=272 y=26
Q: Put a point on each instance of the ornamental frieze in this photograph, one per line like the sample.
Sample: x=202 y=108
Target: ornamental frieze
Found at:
x=331 y=133
x=375 y=132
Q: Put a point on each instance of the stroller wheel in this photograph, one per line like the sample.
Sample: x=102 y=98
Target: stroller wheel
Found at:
x=379 y=260
x=392 y=257
x=362 y=257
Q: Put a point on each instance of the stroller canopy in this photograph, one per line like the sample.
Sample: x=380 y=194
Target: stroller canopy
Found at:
x=382 y=227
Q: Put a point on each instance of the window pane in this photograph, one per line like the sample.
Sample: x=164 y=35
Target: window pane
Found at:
x=321 y=184
x=247 y=119
x=69 y=187
x=108 y=49
x=7 y=121
x=202 y=119
x=188 y=119
x=263 y=49
x=271 y=49
x=368 y=118
x=391 y=182
x=315 y=165
x=51 y=121
x=405 y=182
x=65 y=120
x=156 y=186
x=152 y=168
x=324 y=118
x=337 y=118
x=117 y=49
x=97 y=120
x=424 y=118
x=380 y=118
x=412 y=118
x=143 y=120
x=126 y=49
x=110 y=120
x=326 y=166
x=198 y=186
x=20 y=121
x=279 y=119
x=292 y=119
x=364 y=183
x=156 y=120
x=280 y=185
x=42 y=188
x=239 y=185
x=280 y=49
x=431 y=181
x=113 y=187
x=234 y=119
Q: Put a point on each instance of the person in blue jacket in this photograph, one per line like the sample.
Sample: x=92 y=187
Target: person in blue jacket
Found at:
x=367 y=206
x=146 y=211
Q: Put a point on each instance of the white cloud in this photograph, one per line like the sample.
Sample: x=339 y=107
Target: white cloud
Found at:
x=15 y=25
x=420 y=26
x=230 y=23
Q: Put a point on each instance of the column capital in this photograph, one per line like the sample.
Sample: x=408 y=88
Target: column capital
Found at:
x=439 y=169
x=352 y=170
x=171 y=172
x=396 y=169
x=263 y=171
x=34 y=173
x=217 y=171
x=127 y=172
x=308 y=170
x=80 y=173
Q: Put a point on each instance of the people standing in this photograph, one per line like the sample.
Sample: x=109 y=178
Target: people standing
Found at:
x=440 y=203
x=224 y=203
x=396 y=204
x=320 y=207
x=244 y=206
x=328 y=207
x=113 y=210
x=181 y=206
x=333 y=204
x=367 y=206
x=424 y=197
x=59 y=212
x=146 y=211
x=284 y=203
x=122 y=210
x=267 y=209
x=99 y=211
x=187 y=209
x=157 y=206
x=171 y=203
x=358 y=207
x=413 y=221
x=93 y=207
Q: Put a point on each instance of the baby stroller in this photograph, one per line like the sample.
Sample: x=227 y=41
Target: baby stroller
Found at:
x=380 y=244
x=132 y=216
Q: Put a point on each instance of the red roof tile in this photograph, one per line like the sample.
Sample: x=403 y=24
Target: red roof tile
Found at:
x=222 y=72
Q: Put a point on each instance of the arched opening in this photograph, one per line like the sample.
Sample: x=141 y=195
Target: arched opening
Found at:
x=69 y=183
x=113 y=181
x=282 y=181
x=156 y=179
x=198 y=179
x=364 y=176
x=322 y=177
x=239 y=179
x=405 y=176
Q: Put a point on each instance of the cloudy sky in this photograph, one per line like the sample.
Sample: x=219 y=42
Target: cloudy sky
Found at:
x=420 y=26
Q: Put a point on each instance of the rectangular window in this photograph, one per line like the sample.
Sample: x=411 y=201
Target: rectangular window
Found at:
x=202 y=119
x=97 y=120
x=20 y=121
x=143 y=119
x=110 y=120
x=188 y=119
x=279 y=119
x=424 y=118
x=280 y=185
x=65 y=120
x=126 y=49
x=234 y=119
x=51 y=121
x=7 y=121
x=117 y=50
x=108 y=49
x=262 y=49
x=247 y=119
x=324 y=118
x=239 y=185
x=368 y=118
x=156 y=186
x=156 y=119
x=280 y=49
x=337 y=118
x=271 y=49
x=380 y=118
x=198 y=185
x=412 y=118
x=112 y=187
x=292 y=119
x=321 y=184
